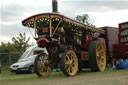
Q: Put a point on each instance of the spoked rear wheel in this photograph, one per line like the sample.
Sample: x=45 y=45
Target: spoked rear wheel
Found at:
x=69 y=63
x=42 y=65
x=97 y=56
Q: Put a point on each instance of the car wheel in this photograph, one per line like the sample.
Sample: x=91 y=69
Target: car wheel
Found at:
x=31 y=69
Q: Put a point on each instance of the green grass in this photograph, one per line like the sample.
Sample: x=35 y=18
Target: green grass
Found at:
x=5 y=67
x=109 y=77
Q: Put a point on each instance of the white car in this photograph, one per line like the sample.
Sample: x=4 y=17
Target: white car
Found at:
x=24 y=65
x=26 y=62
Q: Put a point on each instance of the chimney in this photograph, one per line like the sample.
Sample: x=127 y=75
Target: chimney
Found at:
x=54 y=6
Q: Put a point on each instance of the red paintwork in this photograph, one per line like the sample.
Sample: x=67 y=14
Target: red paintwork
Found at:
x=84 y=45
x=84 y=55
x=89 y=39
x=43 y=42
x=120 y=51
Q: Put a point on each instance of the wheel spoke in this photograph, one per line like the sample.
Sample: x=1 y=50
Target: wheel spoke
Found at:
x=42 y=66
x=99 y=51
x=67 y=62
x=71 y=69
x=68 y=68
x=99 y=47
x=100 y=62
x=66 y=65
x=73 y=64
x=71 y=58
x=68 y=57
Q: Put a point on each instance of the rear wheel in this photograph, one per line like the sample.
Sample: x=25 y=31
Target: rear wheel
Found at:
x=97 y=56
x=42 y=65
x=69 y=63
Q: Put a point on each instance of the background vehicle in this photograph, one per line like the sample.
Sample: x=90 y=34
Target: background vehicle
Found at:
x=71 y=45
x=117 y=44
x=26 y=62
x=120 y=50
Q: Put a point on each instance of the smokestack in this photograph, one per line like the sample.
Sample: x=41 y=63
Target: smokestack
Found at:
x=54 y=6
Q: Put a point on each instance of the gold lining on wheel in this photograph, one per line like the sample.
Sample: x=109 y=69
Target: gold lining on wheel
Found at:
x=71 y=63
x=44 y=67
x=101 y=56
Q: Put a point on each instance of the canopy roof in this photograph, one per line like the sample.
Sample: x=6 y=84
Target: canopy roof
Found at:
x=44 y=19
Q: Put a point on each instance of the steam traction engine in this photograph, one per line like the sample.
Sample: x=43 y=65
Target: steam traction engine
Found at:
x=70 y=44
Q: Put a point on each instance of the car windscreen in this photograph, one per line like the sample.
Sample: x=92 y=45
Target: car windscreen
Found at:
x=29 y=58
x=37 y=51
x=24 y=54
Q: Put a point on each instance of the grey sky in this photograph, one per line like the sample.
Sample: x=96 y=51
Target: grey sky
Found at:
x=102 y=12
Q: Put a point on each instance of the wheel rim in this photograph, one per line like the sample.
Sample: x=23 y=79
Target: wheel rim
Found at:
x=71 y=63
x=101 y=56
x=44 y=67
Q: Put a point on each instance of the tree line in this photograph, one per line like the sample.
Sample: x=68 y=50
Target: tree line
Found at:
x=17 y=45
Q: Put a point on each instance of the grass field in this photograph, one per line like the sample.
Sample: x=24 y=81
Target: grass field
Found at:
x=109 y=77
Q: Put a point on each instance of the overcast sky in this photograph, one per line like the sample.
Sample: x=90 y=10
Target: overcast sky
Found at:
x=101 y=12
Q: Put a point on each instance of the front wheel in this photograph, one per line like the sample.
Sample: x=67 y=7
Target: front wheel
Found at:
x=42 y=65
x=31 y=69
x=69 y=63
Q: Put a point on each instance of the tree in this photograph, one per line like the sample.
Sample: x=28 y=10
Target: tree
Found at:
x=4 y=48
x=84 y=19
x=21 y=42
x=15 y=49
